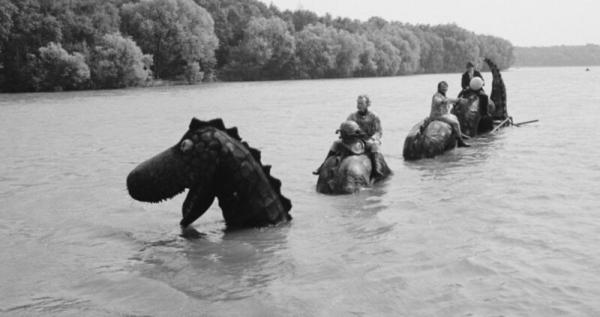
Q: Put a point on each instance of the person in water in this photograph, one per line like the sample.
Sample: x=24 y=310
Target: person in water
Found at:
x=472 y=83
x=468 y=75
x=371 y=125
x=440 y=110
x=351 y=142
x=367 y=120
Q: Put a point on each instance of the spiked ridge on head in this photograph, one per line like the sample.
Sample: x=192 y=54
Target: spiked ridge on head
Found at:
x=493 y=67
x=233 y=132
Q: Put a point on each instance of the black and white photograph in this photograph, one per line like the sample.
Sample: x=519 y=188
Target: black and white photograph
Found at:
x=303 y=158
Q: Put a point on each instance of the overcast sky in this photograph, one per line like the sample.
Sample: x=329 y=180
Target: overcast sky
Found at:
x=522 y=22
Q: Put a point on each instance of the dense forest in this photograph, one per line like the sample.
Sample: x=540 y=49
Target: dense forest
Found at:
x=583 y=55
x=53 y=45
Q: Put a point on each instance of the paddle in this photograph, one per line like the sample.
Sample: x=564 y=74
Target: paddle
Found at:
x=525 y=122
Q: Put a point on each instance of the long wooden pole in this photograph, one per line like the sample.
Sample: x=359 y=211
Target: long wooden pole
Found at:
x=500 y=125
x=526 y=122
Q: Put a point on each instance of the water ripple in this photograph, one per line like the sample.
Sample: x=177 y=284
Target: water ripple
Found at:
x=506 y=227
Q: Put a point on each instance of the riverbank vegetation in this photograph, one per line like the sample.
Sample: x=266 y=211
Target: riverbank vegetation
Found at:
x=49 y=45
x=564 y=55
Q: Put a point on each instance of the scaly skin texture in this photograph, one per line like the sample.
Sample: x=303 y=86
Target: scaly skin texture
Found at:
x=346 y=171
x=498 y=94
x=468 y=115
x=344 y=175
x=212 y=161
x=428 y=142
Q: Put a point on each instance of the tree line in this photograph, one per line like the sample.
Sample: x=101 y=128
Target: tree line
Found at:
x=49 y=45
x=564 y=55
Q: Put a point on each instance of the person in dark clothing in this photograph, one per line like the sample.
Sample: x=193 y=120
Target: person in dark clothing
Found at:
x=370 y=124
x=368 y=121
x=468 y=75
x=472 y=83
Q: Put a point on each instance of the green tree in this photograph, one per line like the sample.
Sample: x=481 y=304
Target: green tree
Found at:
x=302 y=18
x=499 y=50
x=460 y=46
x=314 y=51
x=432 y=50
x=347 y=49
x=177 y=33
x=408 y=47
x=7 y=10
x=242 y=39
x=58 y=70
x=350 y=25
x=367 y=59
x=387 y=56
x=266 y=52
x=324 y=51
x=231 y=18
x=29 y=28
x=83 y=22
x=117 y=62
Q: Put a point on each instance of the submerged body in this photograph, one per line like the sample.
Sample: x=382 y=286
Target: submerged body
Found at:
x=212 y=162
x=428 y=139
x=345 y=175
x=349 y=167
x=353 y=162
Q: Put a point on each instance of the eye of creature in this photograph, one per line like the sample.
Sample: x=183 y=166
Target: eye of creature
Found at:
x=186 y=145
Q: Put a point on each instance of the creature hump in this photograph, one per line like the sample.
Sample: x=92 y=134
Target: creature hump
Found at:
x=275 y=183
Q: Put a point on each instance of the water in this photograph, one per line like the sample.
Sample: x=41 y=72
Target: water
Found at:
x=508 y=227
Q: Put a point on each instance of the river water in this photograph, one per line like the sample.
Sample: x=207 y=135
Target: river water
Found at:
x=508 y=227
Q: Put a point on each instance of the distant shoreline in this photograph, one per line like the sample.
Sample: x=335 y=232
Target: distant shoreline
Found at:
x=553 y=66
x=160 y=83
x=563 y=55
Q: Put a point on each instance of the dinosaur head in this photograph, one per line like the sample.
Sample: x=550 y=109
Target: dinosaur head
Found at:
x=212 y=161
x=179 y=167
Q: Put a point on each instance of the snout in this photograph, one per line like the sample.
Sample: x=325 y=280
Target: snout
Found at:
x=158 y=178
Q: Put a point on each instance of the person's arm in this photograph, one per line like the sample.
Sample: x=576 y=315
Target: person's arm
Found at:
x=439 y=100
x=378 y=130
x=465 y=81
x=452 y=100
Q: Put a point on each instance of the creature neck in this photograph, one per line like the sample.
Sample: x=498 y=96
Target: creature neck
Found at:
x=245 y=189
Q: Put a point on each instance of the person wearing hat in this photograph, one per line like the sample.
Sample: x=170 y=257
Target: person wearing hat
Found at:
x=468 y=75
x=351 y=142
